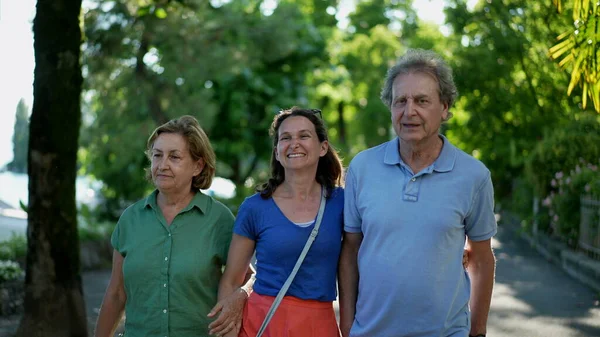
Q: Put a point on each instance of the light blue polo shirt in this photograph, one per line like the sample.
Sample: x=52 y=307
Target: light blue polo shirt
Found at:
x=412 y=282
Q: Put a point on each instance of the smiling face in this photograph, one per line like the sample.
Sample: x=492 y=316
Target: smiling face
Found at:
x=172 y=164
x=298 y=145
x=417 y=111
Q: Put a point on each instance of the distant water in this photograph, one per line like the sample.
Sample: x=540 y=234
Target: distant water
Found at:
x=14 y=188
x=12 y=225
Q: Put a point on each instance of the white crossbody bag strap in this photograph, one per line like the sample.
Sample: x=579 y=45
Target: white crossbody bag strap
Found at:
x=288 y=282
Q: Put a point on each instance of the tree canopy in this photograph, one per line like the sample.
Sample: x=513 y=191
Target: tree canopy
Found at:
x=579 y=48
x=235 y=64
x=20 y=139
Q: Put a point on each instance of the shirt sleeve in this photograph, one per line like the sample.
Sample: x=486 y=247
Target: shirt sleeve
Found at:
x=115 y=238
x=480 y=223
x=226 y=224
x=245 y=224
x=352 y=218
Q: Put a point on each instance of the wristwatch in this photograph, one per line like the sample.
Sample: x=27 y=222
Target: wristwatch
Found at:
x=480 y=335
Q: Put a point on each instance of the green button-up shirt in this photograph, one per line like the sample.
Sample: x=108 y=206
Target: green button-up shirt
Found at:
x=171 y=273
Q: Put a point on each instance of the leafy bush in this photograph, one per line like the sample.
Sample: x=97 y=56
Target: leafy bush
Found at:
x=9 y=271
x=520 y=200
x=14 y=248
x=562 y=150
x=90 y=228
x=96 y=232
x=563 y=203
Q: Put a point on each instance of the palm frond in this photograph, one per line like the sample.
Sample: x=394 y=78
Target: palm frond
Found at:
x=579 y=48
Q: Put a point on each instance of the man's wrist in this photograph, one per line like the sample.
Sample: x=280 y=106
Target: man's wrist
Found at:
x=479 y=335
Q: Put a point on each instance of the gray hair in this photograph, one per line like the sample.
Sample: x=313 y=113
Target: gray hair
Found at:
x=423 y=61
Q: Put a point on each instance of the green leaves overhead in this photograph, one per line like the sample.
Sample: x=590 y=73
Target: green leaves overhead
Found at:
x=578 y=49
x=234 y=64
x=230 y=66
x=511 y=94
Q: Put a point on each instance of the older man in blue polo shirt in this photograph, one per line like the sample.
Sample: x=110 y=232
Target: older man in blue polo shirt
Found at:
x=410 y=205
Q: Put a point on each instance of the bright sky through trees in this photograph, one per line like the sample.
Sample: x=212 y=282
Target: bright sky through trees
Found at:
x=16 y=65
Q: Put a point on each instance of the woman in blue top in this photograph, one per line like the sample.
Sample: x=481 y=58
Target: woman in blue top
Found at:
x=276 y=223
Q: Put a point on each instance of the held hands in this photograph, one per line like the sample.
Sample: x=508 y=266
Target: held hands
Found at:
x=230 y=309
x=235 y=331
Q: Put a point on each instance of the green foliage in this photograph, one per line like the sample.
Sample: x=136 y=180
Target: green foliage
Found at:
x=562 y=150
x=371 y=13
x=91 y=228
x=232 y=67
x=521 y=201
x=20 y=139
x=579 y=48
x=14 y=248
x=348 y=88
x=367 y=58
x=10 y=271
x=563 y=201
x=23 y=207
x=510 y=91
x=97 y=232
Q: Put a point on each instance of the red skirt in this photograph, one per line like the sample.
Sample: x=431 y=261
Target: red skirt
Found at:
x=294 y=318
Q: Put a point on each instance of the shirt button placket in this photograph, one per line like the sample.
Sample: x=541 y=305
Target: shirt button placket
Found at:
x=165 y=277
x=411 y=189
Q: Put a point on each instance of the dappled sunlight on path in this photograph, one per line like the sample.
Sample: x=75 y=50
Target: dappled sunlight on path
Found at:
x=532 y=297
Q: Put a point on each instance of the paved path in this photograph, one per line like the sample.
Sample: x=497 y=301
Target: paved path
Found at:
x=94 y=286
x=532 y=297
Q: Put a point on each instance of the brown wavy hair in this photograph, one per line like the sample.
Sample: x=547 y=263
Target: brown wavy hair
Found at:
x=198 y=145
x=329 y=170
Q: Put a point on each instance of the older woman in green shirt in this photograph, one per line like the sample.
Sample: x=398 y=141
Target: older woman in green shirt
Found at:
x=170 y=247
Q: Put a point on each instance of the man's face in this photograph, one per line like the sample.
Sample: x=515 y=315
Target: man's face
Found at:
x=417 y=111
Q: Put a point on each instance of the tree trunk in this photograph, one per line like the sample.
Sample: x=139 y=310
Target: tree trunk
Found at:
x=54 y=305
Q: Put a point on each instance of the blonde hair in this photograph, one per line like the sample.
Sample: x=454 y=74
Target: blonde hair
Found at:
x=198 y=144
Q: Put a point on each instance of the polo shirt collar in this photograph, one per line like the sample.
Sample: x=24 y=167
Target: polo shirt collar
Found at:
x=444 y=162
x=446 y=159
x=392 y=153
x=200 y=201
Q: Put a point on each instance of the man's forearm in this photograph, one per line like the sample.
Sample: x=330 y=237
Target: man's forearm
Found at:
x=348 y=284
x=482 y=283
